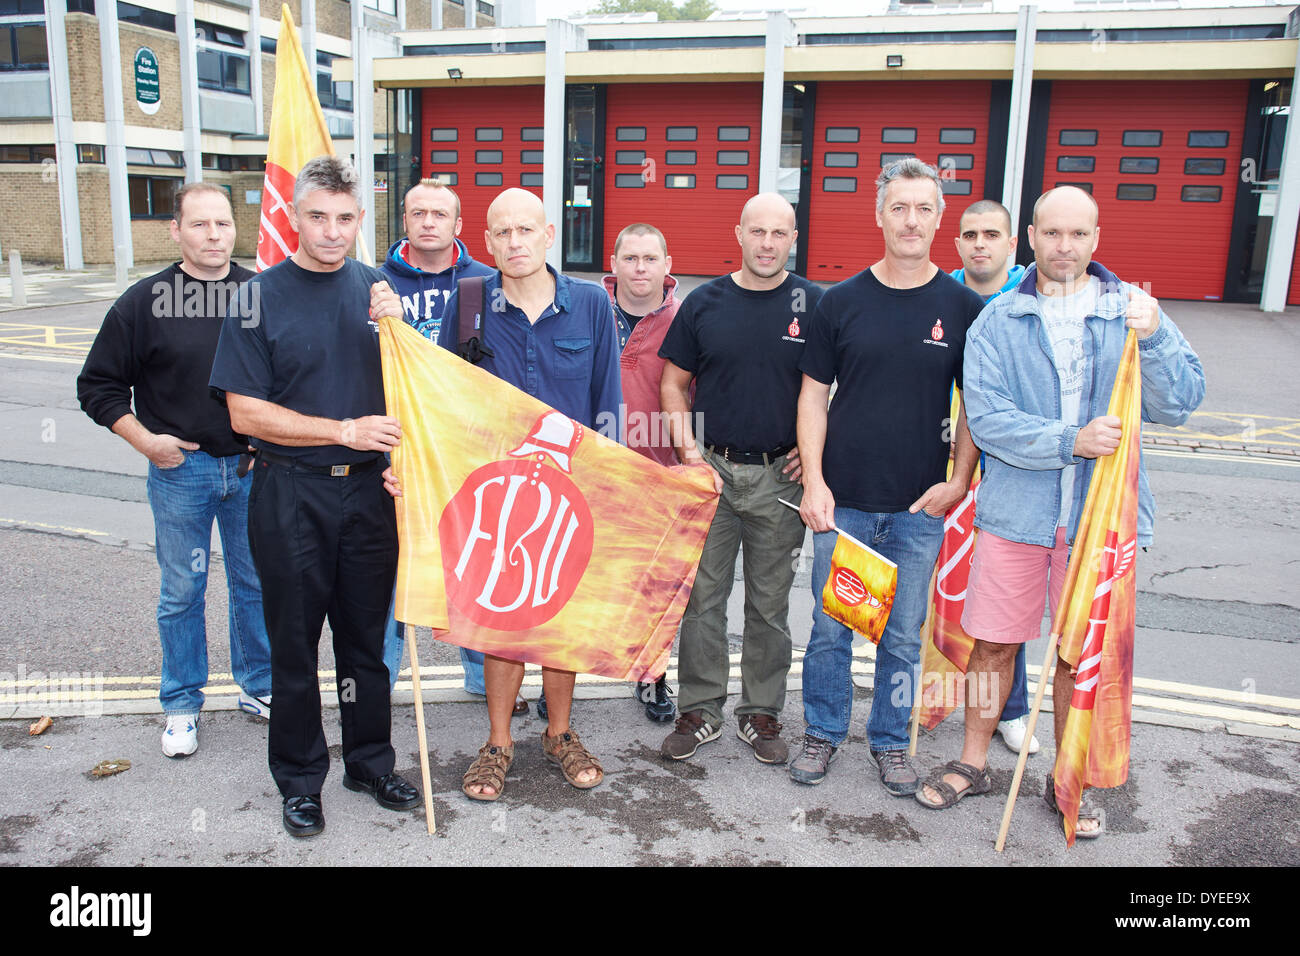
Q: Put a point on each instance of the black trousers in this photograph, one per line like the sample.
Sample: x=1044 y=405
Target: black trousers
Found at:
x=324 y=548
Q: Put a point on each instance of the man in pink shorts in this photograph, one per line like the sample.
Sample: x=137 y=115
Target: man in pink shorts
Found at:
x=1040 y=365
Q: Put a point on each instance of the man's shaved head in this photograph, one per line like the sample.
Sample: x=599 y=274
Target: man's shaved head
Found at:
x=517 y=202
x=986 y=206
x=770 y=204
x=1071 y=194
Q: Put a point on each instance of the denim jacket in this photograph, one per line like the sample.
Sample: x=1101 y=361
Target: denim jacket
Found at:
x=1013 y=405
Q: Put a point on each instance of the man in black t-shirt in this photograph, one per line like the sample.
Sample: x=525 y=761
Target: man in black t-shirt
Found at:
x=157 y=341
x=739 y=338
x=891 y=338
x=302 y=376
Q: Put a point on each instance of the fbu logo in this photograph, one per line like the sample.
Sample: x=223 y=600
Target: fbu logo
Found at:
x=518 y=535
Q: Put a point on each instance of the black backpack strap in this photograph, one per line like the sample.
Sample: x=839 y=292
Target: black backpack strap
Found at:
x=470 y=298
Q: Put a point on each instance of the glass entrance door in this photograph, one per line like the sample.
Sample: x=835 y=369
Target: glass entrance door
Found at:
x=1269 y=111
x=584 y=132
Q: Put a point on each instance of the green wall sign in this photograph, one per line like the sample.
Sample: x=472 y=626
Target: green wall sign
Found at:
x=148 y=93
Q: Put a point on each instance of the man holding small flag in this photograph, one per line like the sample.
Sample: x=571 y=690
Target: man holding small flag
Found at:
x=1041 y=365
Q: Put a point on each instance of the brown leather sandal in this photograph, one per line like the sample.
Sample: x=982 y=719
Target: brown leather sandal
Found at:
x=567 y=751
x=488 y=770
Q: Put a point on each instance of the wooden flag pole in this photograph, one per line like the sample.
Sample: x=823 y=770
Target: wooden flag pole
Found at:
x=1043 y=677
x=927 y=634
x=419 y=730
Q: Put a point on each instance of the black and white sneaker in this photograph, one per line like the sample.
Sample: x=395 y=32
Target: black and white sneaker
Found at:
x=657 y=697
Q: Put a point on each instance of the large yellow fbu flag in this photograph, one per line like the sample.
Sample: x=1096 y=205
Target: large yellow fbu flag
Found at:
x=859 y=592
x=298 y=133
x=526 y=535
x=1095 y=619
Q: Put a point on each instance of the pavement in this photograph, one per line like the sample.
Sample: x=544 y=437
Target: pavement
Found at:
x=1216 y=737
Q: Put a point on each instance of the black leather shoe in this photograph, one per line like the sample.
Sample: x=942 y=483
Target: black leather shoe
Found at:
x=390 y=791
x=303 y=815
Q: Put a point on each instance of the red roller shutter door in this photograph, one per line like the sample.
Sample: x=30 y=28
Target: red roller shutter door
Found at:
x=1161 y=160
x=488 y=138
x=1293 y=294
x=860 y=124
x=684 y=158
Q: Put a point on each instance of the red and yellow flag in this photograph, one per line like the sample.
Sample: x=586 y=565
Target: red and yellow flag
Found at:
x=859 y=592
x=1095 y=619
x=298 y=133
x=527 y=536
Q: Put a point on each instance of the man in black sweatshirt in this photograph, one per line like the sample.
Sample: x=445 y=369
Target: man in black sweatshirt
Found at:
x=158 y=340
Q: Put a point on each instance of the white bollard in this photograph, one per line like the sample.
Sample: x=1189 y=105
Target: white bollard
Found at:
x=16 y=278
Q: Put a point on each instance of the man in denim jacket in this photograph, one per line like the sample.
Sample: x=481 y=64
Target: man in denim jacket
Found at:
x=1040 y=365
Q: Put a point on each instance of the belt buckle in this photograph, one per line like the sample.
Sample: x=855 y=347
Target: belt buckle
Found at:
x=339 y=471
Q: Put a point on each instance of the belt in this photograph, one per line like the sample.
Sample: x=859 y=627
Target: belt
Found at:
x=749 y=457
x=333 y=471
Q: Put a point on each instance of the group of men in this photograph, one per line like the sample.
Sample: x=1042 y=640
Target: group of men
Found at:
x=743 y=369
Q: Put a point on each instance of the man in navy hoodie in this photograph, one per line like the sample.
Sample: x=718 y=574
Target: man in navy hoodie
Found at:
x=423 y=268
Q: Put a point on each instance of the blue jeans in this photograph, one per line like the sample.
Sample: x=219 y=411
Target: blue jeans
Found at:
x=185 y=500
x=912 y=542
x=394 y=642
x=1018 y=699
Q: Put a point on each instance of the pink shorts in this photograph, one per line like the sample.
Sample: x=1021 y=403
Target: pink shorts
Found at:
x=1004 y=598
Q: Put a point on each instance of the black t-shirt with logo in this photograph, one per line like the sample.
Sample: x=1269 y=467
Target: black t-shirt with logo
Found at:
x=895 y=354
x=743 y=347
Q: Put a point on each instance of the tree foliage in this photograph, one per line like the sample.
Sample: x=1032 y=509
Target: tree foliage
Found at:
x=667 y=10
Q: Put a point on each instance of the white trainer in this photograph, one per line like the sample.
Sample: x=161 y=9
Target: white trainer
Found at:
x=257 y=706
x=181 y=737
x=1013 y=734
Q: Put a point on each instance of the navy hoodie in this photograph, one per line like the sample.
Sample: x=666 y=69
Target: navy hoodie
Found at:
x=424 y=295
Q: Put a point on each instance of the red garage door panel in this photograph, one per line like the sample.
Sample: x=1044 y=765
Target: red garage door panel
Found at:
x=1161 y=160
x=684 y=158
x=482 y=139
x=1293 y=295
x=858 y=127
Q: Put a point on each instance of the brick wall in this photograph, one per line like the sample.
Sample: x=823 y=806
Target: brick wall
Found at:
x=247 y=218
x=268 y=88
x=29 y=213
x=96 y=214
x=334 y=17
x=167 y=49
x=271 y=10
x=84 y=72
x=418 y=14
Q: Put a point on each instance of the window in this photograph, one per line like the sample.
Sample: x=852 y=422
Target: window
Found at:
x=142 y=16
x=487 y=156
x=628 y=181
x=680 y=134
x=1075 y=164
x=1139 y=164
x=441 y=156
x=487 y=179
x=733 y=182
x=1143 y=137
x=841 y=134
x=383 y=6
x=530 y=156
x=629 y=157
x=488 y=134
x=214 y=33
x=531 y=179
x=219 y=70
x=1208 y=139
x=333 y=95
x=532 y=134
x=27 y=154
x=897 y=134
x=733 y=157
x=956 y=161
x=22 y=47
x=955 y=187
x=1086 y=187
x=956 y=136
x=13 y=8
x=445 y=179
x=1203 y=167
x=888 y=159
x=839 y=184
x=680 y=157
x=1077 y=137
x=91 y=153
x=153 y=157
x=630 y=134
x=841 y=159
x=680 y=181
x=733 y=134
x=152 y=197
x=1140 y=191
x=444 y=135
x=1202 y=193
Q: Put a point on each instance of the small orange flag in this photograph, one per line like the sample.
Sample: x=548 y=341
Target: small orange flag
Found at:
x=1095 y=619
x=525 y=534
x=298 y=133
x=860 y=590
